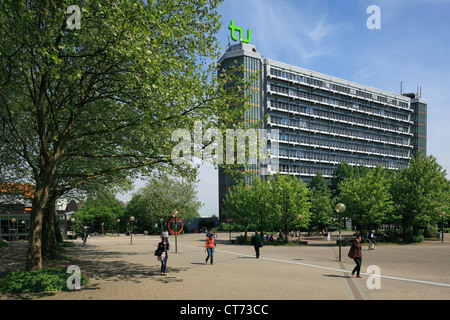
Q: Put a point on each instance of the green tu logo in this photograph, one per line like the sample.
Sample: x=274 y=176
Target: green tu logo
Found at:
x=233 y=29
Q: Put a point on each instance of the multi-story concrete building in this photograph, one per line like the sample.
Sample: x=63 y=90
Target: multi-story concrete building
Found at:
x=323 y=120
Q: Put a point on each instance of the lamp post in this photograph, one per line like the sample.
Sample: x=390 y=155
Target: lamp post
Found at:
x=175 y=216
x=442 y=215
x=132 y=221
x=340 y=208
x=118 y=221
x=299 y=218
x=13 y=220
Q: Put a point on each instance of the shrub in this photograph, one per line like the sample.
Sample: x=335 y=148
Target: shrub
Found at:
x=42 y=280
x=66 y=244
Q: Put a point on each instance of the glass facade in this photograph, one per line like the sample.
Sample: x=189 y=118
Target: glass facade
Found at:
x=323 y=120
x=252 y=66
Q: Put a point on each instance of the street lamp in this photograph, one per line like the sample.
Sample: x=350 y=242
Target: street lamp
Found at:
x=340 y=208
x=299 y=218
x=13 y=220
x=442 y=215
x=175 y=216
x=132 y=221
x=118 y=221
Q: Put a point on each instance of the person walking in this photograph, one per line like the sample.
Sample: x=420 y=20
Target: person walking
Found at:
x=257 y=243
x=356 y=254
x=162 y=249
x=371 y=238
x=209 y=248
x=84 y=237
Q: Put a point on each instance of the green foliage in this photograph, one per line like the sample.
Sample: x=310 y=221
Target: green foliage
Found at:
x=414 y=198
x=105 y=208
x=421 y=193
x=367 y=198
x=42 y=280
x=153 y=204
x=321 y=202
x=268 y=204
x=99 y=104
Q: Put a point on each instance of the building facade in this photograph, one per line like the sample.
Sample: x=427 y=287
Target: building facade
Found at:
x=323 y=120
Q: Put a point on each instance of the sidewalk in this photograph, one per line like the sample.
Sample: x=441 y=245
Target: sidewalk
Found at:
x=119 y=270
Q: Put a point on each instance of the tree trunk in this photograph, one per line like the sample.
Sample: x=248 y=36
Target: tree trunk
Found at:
x=48 y=230
x=34 y=255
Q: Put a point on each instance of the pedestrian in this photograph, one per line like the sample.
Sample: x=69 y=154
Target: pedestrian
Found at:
x=162 y=254
x=209 y=248
x=257 y=243
x=84 y=237
x=356 y=254
x=371 y=238
x=215 y=239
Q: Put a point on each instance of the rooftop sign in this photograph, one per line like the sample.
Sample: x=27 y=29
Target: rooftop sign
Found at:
x=233 y=29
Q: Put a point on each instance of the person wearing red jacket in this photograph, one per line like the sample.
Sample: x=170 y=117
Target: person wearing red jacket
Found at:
x=356 y=254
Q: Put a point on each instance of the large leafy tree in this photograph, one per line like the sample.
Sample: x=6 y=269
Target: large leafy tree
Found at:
x=104 y=208
x=292 y=201
x=367 y=199
x=321 y=202
x=421 y=193
x=153 y=204
x=81 y=104
x=238 y=204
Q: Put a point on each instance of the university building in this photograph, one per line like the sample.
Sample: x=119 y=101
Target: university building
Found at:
x=323 y=120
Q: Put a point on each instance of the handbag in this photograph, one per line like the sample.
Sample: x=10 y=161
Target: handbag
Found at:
x=162 y=257
x=352 y=252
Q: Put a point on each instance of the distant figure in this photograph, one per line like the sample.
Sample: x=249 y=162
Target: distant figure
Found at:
x=257 y=243
x=209 y=248
x=84 y=237
x=371 y=238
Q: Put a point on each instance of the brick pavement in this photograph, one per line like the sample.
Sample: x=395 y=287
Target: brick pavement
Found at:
x=122 y=271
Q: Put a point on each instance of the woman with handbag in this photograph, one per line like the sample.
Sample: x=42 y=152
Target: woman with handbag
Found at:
x=356 y=254
x=161 y=252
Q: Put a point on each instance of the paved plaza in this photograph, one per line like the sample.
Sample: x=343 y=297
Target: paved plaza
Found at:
x=120 y=270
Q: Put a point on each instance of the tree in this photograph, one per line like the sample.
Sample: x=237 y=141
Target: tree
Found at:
x=420 y=193
x=345 y=171
x=81 y=104
x=291 y=198
x=104 y=208
x=238 y=206
x=153 y=204
x=367 y=199
x=321 y=202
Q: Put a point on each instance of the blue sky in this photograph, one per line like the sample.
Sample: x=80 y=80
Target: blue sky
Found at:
x=331 y=37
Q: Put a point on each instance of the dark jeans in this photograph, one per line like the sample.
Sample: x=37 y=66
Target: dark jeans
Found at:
x=357 y=269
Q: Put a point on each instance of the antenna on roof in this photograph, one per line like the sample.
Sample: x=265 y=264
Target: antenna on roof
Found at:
x=401 y=86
